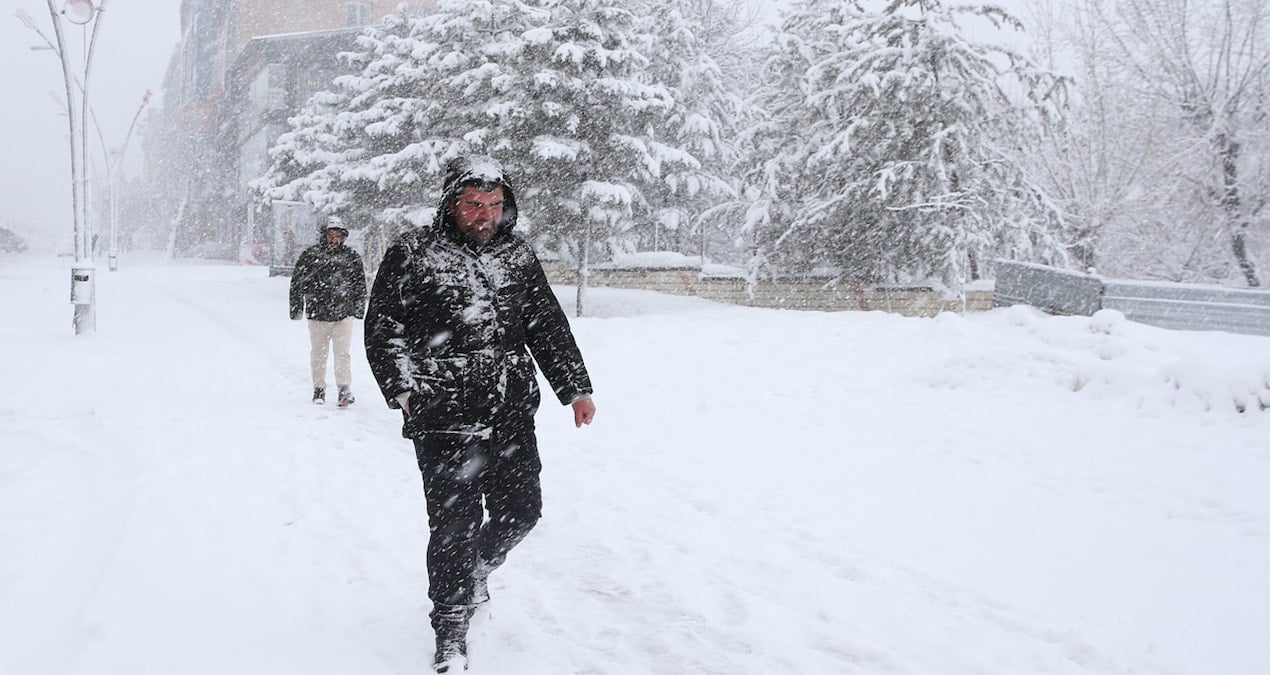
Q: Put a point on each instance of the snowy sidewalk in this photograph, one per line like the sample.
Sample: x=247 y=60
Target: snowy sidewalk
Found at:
x=761 y=491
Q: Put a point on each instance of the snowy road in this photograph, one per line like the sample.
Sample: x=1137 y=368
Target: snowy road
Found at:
x=762 y=491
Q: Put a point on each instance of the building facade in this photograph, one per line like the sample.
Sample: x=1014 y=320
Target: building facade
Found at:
x=241 y=69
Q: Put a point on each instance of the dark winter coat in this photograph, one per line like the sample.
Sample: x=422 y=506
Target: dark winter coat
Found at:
x=328 y=283
x=455 y=324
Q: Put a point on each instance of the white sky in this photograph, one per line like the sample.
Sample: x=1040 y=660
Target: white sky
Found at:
x=132 y=52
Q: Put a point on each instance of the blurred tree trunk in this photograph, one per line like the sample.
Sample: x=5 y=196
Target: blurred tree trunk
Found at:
x=1236 y=219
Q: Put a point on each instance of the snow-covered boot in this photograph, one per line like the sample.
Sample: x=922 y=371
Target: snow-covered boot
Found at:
x=346 y=397
x=319 y=395
x=450 y=624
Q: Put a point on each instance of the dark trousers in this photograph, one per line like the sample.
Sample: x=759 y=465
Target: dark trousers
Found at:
x=464 y=477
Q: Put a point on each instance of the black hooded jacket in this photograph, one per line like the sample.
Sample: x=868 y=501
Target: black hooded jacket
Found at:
x=455 y=324
x=328 y=283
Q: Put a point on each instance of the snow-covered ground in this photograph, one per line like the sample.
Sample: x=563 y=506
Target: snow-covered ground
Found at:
x=762 y=491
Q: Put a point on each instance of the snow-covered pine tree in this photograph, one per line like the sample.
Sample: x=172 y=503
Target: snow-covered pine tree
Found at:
x=891 y=150
x=324 y=159
x=556 y=89
x=585 y=128
x=700 y=131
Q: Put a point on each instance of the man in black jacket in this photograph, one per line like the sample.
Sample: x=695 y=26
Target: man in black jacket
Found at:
x=459 y=313
x=328 y=284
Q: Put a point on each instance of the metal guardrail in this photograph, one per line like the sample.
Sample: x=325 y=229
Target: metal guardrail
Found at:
x=1047 y=288
x=1166 y=305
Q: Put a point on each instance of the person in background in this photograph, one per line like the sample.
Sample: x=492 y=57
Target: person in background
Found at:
x=459 y=314
x=328 y=285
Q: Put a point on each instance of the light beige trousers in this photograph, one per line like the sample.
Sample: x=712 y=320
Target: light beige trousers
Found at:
x=322 y=335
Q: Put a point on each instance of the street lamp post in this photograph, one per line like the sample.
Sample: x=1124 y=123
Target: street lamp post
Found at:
x=114 y=194
x=83 y=285
x=113 y=157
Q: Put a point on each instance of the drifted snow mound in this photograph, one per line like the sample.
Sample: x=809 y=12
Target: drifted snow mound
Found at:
x=1105 y=356
x=1195 y=375
x=1200 y=383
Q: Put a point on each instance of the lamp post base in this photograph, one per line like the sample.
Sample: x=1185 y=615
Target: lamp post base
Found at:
x=84 y=297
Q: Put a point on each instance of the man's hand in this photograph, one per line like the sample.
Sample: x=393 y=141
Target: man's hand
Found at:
x=404 y=400
x=583 y=412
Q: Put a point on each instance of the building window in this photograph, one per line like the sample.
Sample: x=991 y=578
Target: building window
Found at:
x=269 y=89
x=356 y=13
x=277 y=99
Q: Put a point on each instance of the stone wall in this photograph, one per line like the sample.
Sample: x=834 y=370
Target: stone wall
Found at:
x=805 y=294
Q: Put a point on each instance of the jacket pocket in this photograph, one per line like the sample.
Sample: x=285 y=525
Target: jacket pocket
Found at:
x=437 y=404
x=524 y=394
